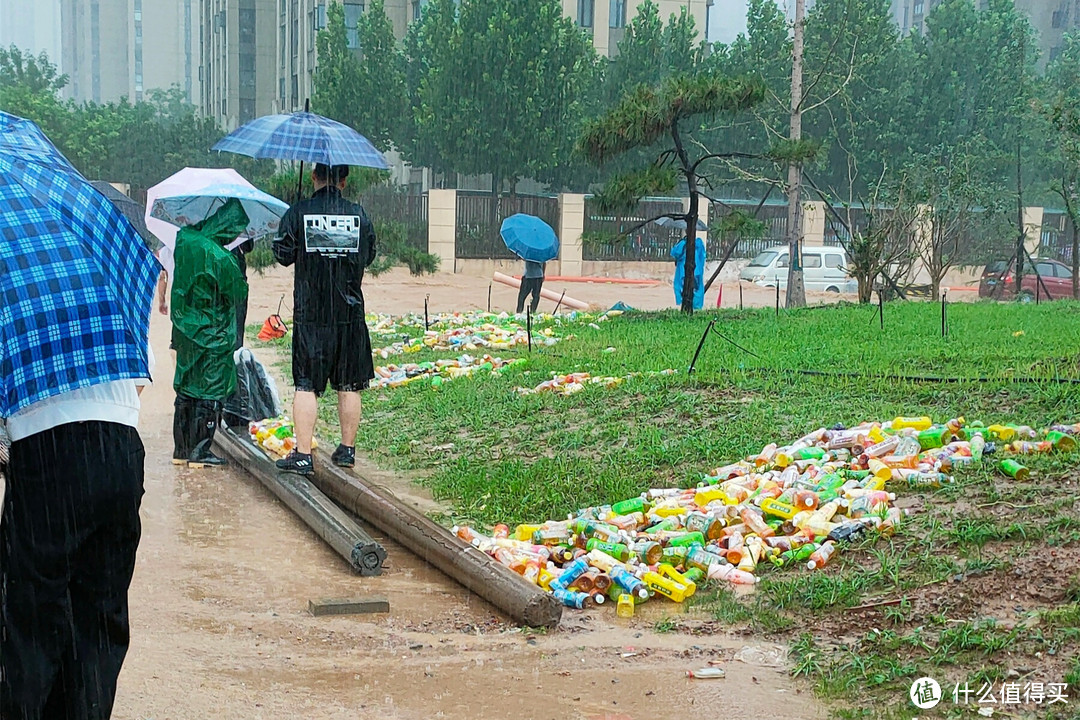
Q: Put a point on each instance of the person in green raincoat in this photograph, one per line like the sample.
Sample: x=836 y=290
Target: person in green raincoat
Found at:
x=208 y=286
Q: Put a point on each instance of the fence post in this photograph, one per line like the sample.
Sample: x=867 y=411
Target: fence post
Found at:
x=813 y=223
x=571 y=226
x=1033 y=222
x=442 y=227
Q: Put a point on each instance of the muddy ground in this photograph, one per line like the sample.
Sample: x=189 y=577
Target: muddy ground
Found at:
x=221 y=628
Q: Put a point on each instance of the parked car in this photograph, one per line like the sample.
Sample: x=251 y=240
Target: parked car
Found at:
x=999 y=281
x=824 y=269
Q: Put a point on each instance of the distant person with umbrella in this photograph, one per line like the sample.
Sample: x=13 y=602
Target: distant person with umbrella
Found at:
x=535 y=242
x=76 y=281
x=207 y=289
x=330 y=241
x=678 y=253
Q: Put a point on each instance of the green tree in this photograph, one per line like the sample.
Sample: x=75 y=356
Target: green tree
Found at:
x=647 y=116
x=500 y=88
x=651 y=51
x=363 y=88
x=1061 y=107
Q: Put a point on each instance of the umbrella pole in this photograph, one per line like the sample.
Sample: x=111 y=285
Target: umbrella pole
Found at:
x=528 y=327
x=559 y=303
x=300 y=183
x=489 y=297
x=427 y=325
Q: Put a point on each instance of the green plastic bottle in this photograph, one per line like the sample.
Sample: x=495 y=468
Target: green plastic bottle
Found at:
x=935 y=437
x=687 y=539
x=633 y=505
x=616 y=550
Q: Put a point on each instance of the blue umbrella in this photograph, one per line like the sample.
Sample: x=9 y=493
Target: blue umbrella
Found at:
x=530 y=238
x=76 y=280
x=264 y=211
x=302 y=136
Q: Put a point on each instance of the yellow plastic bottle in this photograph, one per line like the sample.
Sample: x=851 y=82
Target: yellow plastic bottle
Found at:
x=916 y=423
x=671 y=573
x=664 y=586
x=778 y=509
x=880 y=470
x=624 y=606
x=525 y=532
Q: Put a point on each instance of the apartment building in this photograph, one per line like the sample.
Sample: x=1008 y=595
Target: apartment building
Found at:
x=123 y=48
x=238 y=49
x=606 y=20
x=1051 y=19
x=32 y=27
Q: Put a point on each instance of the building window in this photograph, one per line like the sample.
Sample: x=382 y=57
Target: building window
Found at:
x=281 y=44
x=1057 y=19
x=320 y=17
x=296 y=89
x=247 y=27
x=618 y=14
x=917 y=8
x=294 y=41
x=418 y=9
x=281 y=91
x=586 y=11
x=247 y=110
x=353 y=11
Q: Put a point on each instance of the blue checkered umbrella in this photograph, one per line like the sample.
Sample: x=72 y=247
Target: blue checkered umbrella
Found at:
x=76 y=280
x=303 y=136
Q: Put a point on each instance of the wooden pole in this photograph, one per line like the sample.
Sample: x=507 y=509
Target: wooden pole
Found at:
x=479 y=573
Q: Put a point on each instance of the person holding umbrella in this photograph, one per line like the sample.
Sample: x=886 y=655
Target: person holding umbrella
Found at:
x=207 y=289
x=330 y=241
x=678 y=253
x=535 y=242
x=77 y=281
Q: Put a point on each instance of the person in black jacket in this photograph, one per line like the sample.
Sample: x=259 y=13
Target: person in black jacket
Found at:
x=331 y=241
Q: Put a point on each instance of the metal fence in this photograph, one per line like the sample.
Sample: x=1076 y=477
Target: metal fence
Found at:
x=1056 y=239
x=411 y=211
x=773 y=214
x=628 y=237
x=480 y=215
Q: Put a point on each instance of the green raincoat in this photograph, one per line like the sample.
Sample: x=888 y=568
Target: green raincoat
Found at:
x=207 y=287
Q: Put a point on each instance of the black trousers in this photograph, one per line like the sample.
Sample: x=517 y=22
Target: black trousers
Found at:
x=68 y=538
x=529 y=286
x=194 y=424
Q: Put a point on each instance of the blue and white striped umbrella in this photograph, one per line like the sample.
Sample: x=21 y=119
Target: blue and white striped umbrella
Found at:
x=303 y=136
x=76 y=279
x=187 y=208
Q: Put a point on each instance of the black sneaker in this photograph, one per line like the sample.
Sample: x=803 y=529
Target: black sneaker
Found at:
x=297 y=463
x=344 y=456
x=207 y=459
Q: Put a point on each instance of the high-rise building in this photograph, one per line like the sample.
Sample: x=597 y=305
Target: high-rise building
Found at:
x=238 y=41
x=31 y=26
x=606 y=20
x=123 y=48
x=298 y=24
x=1051 y=19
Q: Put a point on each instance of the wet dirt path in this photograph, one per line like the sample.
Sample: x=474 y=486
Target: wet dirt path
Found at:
x=220 y=627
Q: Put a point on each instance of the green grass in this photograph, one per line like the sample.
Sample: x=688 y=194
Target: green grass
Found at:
x=495 y=456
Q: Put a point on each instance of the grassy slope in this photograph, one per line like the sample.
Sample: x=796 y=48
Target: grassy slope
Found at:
x=500 y=457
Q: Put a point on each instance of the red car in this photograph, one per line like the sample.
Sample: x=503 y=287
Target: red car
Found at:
x=999 y=283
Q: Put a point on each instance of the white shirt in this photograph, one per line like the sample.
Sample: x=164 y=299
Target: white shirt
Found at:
x=116 y=401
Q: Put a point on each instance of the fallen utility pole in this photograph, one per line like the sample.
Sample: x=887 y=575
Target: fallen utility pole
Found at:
x=327 y=520
x=479 y=573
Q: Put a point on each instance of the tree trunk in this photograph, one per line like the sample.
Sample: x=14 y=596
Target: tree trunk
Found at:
x=796 y=293
x=866 y=287
x=1075 y=259
x=690 y=261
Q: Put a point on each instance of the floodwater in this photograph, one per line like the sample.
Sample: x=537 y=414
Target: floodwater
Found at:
x=221 y=628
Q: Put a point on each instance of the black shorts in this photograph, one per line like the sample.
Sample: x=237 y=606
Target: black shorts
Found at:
x=338 y=354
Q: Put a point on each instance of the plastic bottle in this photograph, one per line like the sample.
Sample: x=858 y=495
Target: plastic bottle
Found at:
x=686 y=540
x=731 y=574
x=917 y=479
x=756 y=524
x=1061 y=441
x=916 y=423
x=750 y=558
x=664 y=586
x=805 y=500
x=799 y=554
x=551 y=536
x=705 y=523
x=1001 y=432
x=624 y=607
x=616 y=550
x=735 y=548
x=880 y=470
x=674 y=575
x=776 y=508
x=633 y=505
x=675 y=555
x=935 y=437
x=821 y=557
x=573 y=599
x=571 y=573
x=1014 y=470
x=810 y=453
x=648 y=552
x=701 y=558
x=885 y=447
x=629 y=582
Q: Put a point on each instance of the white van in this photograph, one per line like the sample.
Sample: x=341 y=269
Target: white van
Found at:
x=824 y=269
